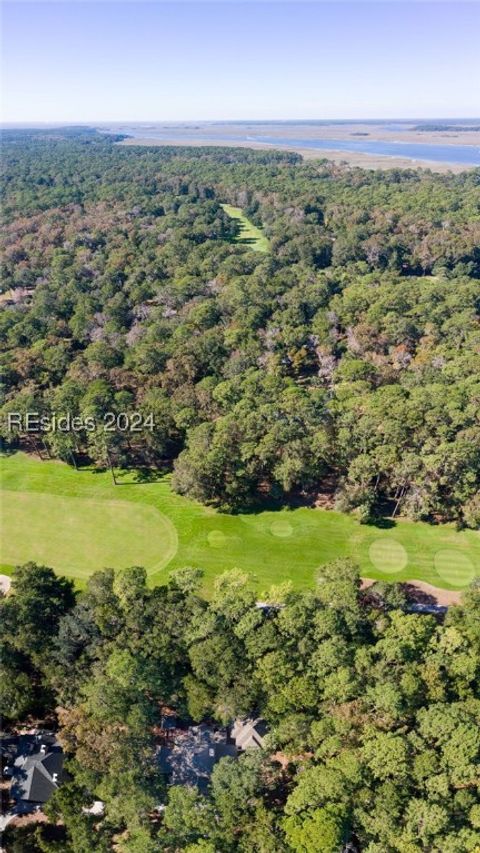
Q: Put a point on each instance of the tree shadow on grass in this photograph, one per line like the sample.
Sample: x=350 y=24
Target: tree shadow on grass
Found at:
x=267 y=503
x=382 y=522
x=418 y=596
x=7 y=450
x=240 y=238
x=140 y=476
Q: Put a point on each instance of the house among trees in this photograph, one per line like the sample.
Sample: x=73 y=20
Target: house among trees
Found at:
x=190 y=758
x=249 y=734
x=37 y=770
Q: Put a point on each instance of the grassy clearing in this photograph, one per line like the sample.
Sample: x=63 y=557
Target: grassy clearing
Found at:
x=248 y=233
x=78 y=521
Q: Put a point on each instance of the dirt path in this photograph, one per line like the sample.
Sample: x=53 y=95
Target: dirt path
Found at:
x=439 y=596
x=5 y=584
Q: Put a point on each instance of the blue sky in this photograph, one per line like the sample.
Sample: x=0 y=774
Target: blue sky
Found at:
x=105 y=61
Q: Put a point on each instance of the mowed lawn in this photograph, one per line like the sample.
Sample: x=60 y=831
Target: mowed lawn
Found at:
x=79 y=521
x=76 y=535
x=248 y=233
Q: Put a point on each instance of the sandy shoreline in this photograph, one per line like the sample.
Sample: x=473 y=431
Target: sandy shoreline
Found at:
x=363 y=161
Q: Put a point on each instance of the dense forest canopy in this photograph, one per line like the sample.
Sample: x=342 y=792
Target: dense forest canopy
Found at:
x=347 y=355
x=373 y=713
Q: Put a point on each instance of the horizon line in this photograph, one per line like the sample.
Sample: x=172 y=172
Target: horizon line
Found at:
x=95 y=122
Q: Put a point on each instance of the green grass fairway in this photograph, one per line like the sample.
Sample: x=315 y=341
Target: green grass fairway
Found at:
x=248 y=233
x=63 y=532
x=78 y=521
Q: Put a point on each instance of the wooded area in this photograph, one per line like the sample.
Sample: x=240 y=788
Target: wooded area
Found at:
x=373 y=713
x=346 y=359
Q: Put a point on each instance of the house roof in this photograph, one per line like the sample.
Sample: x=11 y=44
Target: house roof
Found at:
x=249 y=734
x=37 y=785
x=38 y=769
x=191 y=759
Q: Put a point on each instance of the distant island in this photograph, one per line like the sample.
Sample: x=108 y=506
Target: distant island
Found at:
x=461 y=128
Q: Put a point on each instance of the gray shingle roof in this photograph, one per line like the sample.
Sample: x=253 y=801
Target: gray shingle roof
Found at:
x=38 y=769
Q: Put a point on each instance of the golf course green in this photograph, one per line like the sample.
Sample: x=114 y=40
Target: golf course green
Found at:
x=248 y=233
x=79 y=521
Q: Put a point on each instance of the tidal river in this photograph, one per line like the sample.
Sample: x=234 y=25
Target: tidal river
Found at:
x=467 y=155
